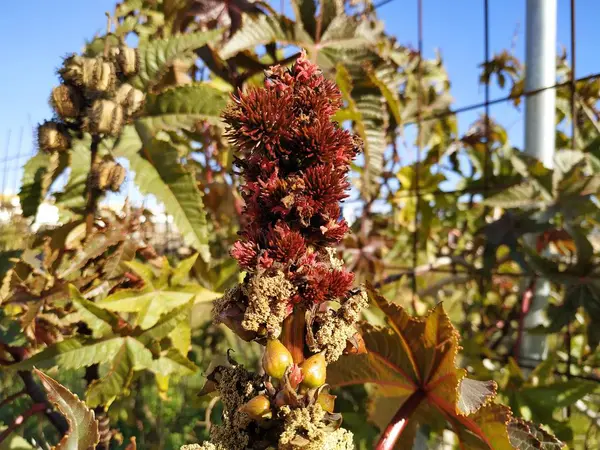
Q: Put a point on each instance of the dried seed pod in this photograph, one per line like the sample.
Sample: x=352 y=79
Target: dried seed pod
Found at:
x=78 y=70
x=258 y=408
x=52 y=137
x=128 y=60
x=117 y=176
x=276 y=359
x=104 y=76
x=105 y=117
x=314 y=370
x=101 y=176
x=95 y=74
x=130 y=98
x=66 y=101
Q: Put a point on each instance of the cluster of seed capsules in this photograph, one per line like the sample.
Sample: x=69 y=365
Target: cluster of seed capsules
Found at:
x=297 y=384
x=94 y=97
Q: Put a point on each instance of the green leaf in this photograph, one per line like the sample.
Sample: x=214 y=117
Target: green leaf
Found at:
x=157 y=54
x=182 y=107
x=522 y=195
x=262 y=30
x=148 y=305
x=130 y=357
x=173 y=362
x=73 y=353
x=72 y=196
x=305 y=11
x=161 y=174
x=166 y=325
x=38 y=175
x=83 y=428
x=370 y=121
x=100 y=321
x=182 y=271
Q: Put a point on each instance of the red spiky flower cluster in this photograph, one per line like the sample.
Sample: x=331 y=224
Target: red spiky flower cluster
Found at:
x=294 y=160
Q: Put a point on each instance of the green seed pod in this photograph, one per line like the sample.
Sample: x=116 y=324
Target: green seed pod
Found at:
x=117 y=176
x=276 y=359
x=128 y=60
x=105 y=117
x=66 y=101
x=258 y=408
x=314 y=370
x=130 y=98
x=53 y=137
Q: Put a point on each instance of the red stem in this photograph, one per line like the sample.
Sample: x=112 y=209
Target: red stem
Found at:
x=525 y=306
x=292 y=335
x=399 y=421
x=20 y=420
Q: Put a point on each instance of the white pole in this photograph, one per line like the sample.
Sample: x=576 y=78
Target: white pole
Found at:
x=540 y=132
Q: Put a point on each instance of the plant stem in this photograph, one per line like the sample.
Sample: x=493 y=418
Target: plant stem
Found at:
x=90 y=207
x=399 y=421
x=11 y=397
x=20 y=420
x=293 y=334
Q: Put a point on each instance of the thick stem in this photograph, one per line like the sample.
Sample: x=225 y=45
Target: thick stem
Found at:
x=293 y=333
x=92 y=197
x=399 y=421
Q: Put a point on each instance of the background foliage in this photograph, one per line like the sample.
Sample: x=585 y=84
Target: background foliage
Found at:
x=128 y=329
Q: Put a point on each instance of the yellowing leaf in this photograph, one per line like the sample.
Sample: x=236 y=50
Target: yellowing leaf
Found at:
x=83 y=427
x=149 y=306
x=413 y=361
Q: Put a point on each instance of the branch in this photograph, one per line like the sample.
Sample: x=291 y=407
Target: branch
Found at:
x=399 y=421
x=11 y=397
x=432 y=289
x=20 y=420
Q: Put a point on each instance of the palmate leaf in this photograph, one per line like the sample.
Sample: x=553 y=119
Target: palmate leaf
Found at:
x=157 y=54
x=131 y=356
x=83 y=428
x=416 y=358
x=148 y=304
x=74 y=353
x=159 y=172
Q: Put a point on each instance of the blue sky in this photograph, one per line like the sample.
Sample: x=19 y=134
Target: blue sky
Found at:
x=36 y=34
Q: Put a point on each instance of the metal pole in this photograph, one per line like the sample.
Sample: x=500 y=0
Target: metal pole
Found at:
x=540 y=129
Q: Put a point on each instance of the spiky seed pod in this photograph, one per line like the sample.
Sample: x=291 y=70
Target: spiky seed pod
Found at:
x=117 y=176
x=104 y=76
x=78 y=70
x=276 y=359
x=314 y=370
x=130 y=98
x=66 y=101
x=128 y=60
x=95 y=74
x=105 y=117
x=53 y=137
